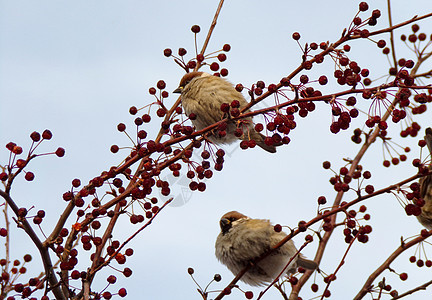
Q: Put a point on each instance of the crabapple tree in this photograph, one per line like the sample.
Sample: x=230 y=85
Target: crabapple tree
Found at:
x=378 y=106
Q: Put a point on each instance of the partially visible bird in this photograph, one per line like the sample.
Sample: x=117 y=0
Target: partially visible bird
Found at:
x=203 y=94
x=243 y=239
x=425 y=218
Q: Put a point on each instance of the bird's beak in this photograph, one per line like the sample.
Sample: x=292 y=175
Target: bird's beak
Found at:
x=225 y=225
x=178 y=90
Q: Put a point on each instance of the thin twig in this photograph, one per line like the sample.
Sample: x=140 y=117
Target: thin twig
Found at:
x=279 y=288
x=7 y=242
x=283 y=271
x=389 y=29
x=209 y=34
x=419 y=288
x=342 y=262
x=393 y=48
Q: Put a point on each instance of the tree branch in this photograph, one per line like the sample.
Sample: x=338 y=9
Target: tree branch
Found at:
x=49 y=271
x=404 y=246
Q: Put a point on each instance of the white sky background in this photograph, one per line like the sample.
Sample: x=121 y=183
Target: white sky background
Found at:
x=76 y=68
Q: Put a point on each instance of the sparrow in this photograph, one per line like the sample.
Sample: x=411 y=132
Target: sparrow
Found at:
x=425 y=218
x=203 y=94
x=243 y=239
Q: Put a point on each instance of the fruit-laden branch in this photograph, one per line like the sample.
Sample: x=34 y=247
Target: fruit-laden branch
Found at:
x=404 y=246
x=329 y=50
x=320 y=217
x=46 y=259
x=369 y=141
x=389 y=29
x=133 y=184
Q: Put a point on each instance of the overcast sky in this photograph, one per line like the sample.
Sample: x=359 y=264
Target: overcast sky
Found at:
x=75 y=67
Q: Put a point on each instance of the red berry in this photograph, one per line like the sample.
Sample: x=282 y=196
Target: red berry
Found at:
x=363 y=6
x=277 y=228
x=160 y=112
x=47 y=135
x=22 y=212
x=76 y=183
x=35 y=136
x=60 y=152
x=195 y=29
x=114 y=148
x=222 y=57
x=322 y=200
x=167 y=52
x=369 y=189
x=323 y=80
x=111 y=279
x=152 y=91
x=304 y=79
x=133 y=110
x=161 y=84
x=296 y=36
x=29 y=176
x=21 y=163
x=75 y=274
x=122 y=292
x=182 y=51
x=214 y=66
x=381 y=44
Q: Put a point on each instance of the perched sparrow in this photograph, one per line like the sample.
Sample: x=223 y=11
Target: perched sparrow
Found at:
x=425 y=218
x=203 y=95
x=243 y=239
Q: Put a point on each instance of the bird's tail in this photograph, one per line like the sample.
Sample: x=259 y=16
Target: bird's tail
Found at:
x=260 y=141
x=428 y=139
x=306 y=263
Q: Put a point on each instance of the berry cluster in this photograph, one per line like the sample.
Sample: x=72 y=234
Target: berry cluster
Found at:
x=16 y=165
x=200 y=59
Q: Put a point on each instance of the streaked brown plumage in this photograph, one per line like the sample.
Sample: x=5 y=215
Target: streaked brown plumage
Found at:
x=243 y=239
x=425 y=218
x=203 y=95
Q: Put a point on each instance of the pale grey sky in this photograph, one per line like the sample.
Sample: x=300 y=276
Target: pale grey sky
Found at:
x=76 y=68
